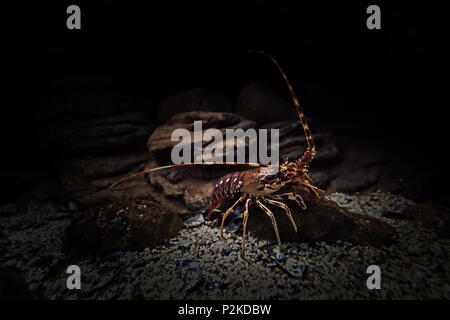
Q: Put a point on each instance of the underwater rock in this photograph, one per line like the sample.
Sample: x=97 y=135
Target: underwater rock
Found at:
x=190 y=186
x=295 y=268
x=321 y=221
x=192 y=274
x=279 y=256
x=196 y=197
x=112 y=133
x=104 y=166
x=194 y=221
x=293 y=143
x=327 y=153
x=320 y=178
x=356 y=179
x=99 y=151
x=160 y=141
x=120 y=226
x=85 y=180
x=432 y=216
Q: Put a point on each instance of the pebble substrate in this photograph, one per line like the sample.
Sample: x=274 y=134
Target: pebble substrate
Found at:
x=198 y=265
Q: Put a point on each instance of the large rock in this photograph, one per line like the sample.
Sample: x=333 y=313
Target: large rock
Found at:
x=192 y=186
x=432 y=216
x=361 y=167
x=160 y=140
x=86 y=181
x=121 y=226
x=109 y=134
x=87 y=113
x=104 y=166
x=324 y=220
x=293 y=143
x=97 y=133
x=355 y=179
x=86 y=178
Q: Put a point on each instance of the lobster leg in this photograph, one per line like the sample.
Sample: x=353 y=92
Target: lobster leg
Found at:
x=227 y=213
x=286 y=208
x=300 y=201
x=244 y=227
x=291 y=196
x=314 y=189
x=272 y=218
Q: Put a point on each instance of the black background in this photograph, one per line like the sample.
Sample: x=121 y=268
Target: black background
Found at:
x=391 y=83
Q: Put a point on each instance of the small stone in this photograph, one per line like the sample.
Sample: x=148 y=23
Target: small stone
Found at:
x=226 y=251
x=302 y=267
x=279 y=256
x=72 y=206
x=194 y=221
x=183 y=244
x=265 y=243
x=193 y=273
x=303 y=246
x=295 y=268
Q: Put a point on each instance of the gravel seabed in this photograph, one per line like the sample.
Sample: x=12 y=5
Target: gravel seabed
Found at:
x=198 y=265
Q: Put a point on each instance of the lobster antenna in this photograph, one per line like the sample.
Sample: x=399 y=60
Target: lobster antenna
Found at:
x=133 y=175
x=311 y=147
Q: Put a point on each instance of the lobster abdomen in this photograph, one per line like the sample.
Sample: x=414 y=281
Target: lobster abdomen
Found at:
x=227 y=186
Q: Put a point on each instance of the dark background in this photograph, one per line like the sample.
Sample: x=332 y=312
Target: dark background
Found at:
x=389 y=83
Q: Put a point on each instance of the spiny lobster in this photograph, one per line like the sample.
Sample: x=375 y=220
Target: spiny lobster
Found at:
x=257 y=185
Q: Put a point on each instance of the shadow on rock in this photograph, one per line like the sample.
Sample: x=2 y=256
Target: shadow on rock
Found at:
x=120 y=226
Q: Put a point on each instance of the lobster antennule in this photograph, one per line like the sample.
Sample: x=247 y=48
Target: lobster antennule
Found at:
x=134 y=175
x=311 y=147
